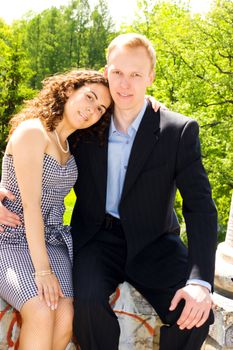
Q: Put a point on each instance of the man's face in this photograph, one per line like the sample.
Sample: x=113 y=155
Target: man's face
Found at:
x=129 y=73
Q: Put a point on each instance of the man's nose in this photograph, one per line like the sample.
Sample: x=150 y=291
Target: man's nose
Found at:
x=125 y=82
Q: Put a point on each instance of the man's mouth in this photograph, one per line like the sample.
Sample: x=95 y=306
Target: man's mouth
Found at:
x=124 y=95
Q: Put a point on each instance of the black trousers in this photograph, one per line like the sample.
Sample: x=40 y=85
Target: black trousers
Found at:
x=98 y=269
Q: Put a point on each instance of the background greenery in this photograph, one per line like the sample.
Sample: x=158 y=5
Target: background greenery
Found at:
x=193 y=72
x=69 y=203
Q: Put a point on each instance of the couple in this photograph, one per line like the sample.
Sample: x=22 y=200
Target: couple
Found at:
x=124 y=227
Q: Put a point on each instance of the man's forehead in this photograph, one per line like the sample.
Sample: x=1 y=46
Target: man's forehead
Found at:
x=130 y=66
x=128 y=58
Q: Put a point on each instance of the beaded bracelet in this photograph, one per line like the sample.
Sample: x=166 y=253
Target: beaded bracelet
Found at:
x=42 y=273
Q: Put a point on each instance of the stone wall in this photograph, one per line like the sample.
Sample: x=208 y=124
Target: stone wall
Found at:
x=138 y=321
x=221 y=332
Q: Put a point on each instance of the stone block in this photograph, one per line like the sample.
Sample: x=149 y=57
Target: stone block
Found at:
x=138 y=322
x=9 y=327
x=221 y=332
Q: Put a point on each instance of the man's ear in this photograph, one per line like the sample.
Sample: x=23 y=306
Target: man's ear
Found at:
x=151 y=78
x=106 y=71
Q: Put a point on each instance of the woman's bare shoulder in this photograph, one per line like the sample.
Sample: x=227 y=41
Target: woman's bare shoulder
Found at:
x=29 y=132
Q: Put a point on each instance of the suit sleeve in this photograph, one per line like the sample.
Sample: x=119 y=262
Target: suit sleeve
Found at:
x=199 y=210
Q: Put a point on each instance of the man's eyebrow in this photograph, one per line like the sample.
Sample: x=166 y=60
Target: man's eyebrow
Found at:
x=97 y=98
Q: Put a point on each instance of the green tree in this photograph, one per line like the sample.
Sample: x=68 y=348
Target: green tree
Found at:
x=100 y=32
x=56 y=39
x=77 y=17
x=43 y=44
x=193 y=71
x=194 y=77
x=14 y=73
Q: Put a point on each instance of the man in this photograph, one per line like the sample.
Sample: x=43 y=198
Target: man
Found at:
x=124 y=226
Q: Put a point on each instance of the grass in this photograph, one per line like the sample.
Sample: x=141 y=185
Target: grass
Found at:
x=69 y=204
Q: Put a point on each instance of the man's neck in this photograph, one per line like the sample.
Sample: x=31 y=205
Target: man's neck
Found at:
x=124 y=118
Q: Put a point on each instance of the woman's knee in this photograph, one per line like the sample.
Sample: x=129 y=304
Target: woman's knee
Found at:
x=64 y=332
x=37 y=313
x=64 y=322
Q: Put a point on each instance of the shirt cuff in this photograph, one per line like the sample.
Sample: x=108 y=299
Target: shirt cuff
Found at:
x=200 y=283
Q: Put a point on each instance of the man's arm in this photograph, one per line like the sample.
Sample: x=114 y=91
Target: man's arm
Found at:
x=6 y=216
x=201 y=223
x=199 y=210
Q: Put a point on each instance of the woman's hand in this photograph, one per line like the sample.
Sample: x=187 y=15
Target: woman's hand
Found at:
x=155 y=104
x=49 y=289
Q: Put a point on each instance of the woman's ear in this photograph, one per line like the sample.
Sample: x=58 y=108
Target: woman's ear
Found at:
x=69 y=91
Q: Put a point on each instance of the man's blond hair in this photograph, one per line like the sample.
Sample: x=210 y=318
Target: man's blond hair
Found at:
x=133 y=40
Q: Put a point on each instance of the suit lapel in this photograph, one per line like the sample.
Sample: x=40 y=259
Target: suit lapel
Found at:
x=146 y=138
x=99 y=157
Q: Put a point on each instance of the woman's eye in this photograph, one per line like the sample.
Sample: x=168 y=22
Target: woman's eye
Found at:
x=100 y=110
x=90 y=97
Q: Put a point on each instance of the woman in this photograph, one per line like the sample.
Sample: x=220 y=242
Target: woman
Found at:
x=36 y=257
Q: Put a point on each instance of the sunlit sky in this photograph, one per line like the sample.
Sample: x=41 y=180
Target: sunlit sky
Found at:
x=121 y=10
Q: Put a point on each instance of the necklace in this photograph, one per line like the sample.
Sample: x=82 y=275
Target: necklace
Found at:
x=59 y=143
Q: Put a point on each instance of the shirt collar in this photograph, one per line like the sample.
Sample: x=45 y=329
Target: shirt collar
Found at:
x=134 y=126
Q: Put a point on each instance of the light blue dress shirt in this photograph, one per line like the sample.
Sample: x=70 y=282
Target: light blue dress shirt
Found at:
x=119 y=148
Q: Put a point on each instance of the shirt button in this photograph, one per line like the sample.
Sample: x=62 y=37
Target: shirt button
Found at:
x=127 y=142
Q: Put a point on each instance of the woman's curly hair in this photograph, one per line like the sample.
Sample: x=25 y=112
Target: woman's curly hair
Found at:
x=49 y=104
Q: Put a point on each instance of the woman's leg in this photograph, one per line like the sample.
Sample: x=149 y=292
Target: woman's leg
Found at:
x=63 y=324
x=37 y=325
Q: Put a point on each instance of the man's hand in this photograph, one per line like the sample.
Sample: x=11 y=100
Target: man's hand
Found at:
x=7 y=217
x=198 y=302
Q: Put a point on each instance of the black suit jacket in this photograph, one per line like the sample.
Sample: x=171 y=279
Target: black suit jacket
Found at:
x=165 y=156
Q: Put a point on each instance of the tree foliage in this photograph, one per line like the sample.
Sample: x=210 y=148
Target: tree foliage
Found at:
x=14 y=75
x=71 y=36
x=193 y=71
x=194 y=77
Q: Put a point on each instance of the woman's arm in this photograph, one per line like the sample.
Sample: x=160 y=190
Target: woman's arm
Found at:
x=28 y=144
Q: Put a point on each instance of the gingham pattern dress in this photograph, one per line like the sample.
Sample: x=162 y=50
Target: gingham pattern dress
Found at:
x=17 y=283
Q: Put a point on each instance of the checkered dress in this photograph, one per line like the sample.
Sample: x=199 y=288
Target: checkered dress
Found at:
x=17 y=284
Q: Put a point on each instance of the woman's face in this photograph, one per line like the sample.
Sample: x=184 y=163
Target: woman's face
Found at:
x=86 y=105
